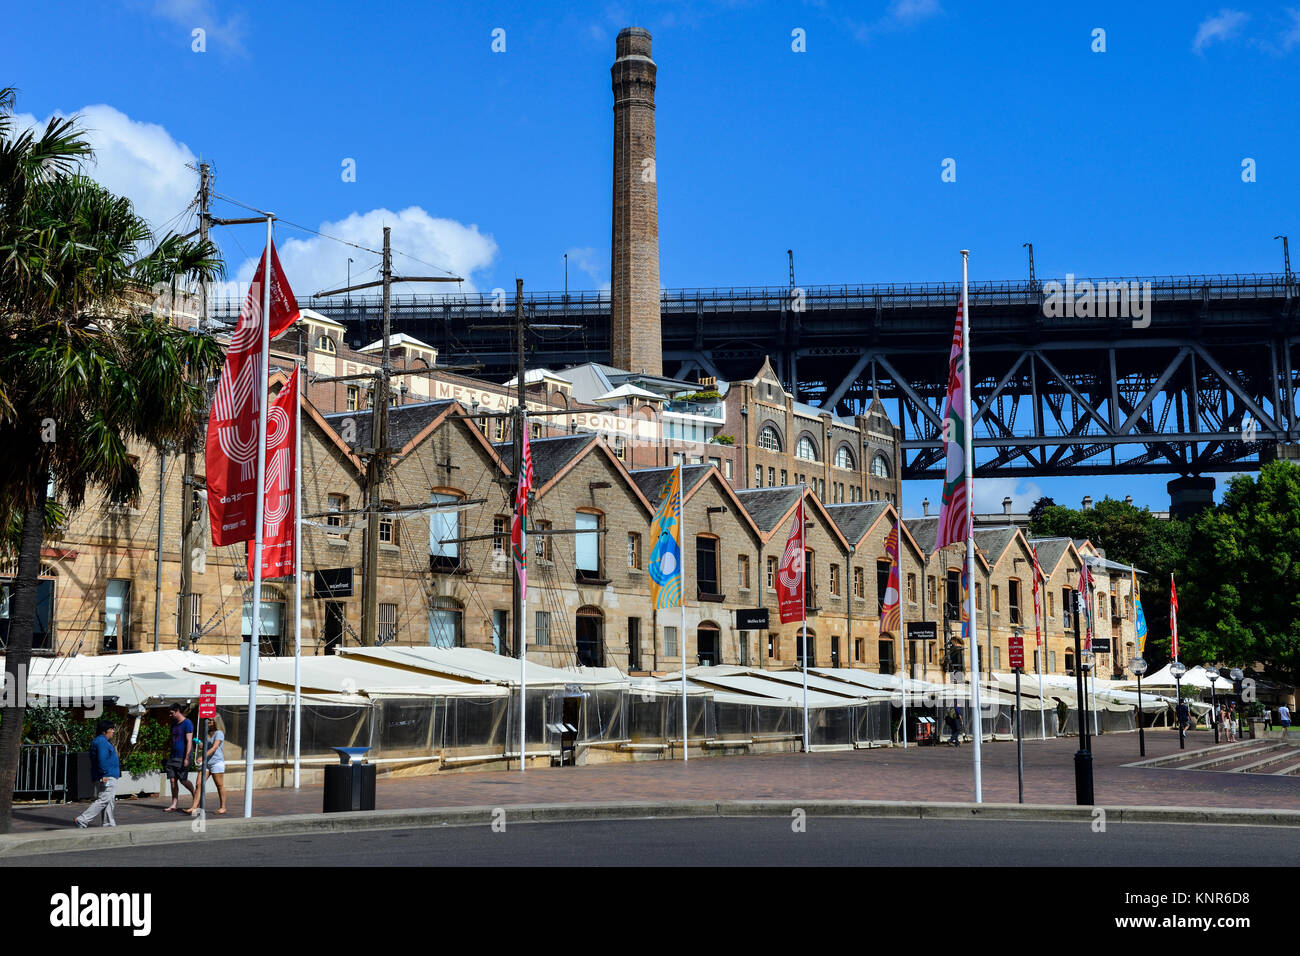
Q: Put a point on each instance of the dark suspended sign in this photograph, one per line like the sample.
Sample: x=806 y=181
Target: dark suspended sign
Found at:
x=332 y=583
x=751 y=619
x=922 y=631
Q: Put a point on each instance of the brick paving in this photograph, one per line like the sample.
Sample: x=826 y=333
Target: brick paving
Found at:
x=939 y=773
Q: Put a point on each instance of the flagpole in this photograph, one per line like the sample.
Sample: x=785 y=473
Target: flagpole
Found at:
x=803 y=605
x=902 y=628
x=1042 y=650
x=523 y=636
x=968 y=437
x=264 y=357
x=681 y=604
x=297 y=584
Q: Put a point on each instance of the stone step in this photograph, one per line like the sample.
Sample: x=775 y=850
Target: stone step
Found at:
x=1227 y=756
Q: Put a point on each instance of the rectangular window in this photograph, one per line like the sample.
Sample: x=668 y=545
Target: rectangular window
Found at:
x=772 y=640
x=979 y=596
x=758 y=476
x=337 y=503
x=771 y=574
x=858 y=645
x=859 y=584
x=499 y=533
x=997 y=658
x=726 y=468
x=587 y=542
x=634 y=551
x=117 y=613
x=886 y=656
x=535 y=430
x=1051 y=604
x=387 y=623
x=444 y=529
x=835 y=580
x=542 y=628
x=911 y=588
x=1013 y=600
x=931 y=591
x=771 y=477
x=742 y=571
x=499 y=429
x=388 y=525
x=634 y=643
x=882 y=584
x=670 y=641
x=131 y=502
x=1067 y=609
x=352 y=398
x=993 y=598
x=784 y=477
x=706 y=564
x=542 y=545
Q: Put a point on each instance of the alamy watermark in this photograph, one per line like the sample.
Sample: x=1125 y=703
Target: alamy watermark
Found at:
x=70 y=691
x=1124 y=299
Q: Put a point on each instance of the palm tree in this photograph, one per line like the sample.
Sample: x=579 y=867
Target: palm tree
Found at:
x=84 y=372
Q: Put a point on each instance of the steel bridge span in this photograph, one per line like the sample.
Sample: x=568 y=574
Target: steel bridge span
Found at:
x=1205 y=382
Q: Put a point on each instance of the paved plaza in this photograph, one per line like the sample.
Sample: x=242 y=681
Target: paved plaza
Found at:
x=927 y=774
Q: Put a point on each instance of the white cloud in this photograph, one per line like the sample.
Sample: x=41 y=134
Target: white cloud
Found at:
x=594 y=264
x=1219 y=28
x=192 y=14
x=316 y=264
x=912 y=11
x=1290 y=38
x=134 y=159
x=989 y=493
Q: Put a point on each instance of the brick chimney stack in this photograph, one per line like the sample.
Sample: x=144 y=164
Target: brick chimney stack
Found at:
x=636 y=343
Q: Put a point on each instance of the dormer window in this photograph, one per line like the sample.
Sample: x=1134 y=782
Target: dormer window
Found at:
x=325 y=344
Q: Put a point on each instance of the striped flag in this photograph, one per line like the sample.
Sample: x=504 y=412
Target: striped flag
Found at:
x=889 y=608
x=965 y=603
x=519 y=522
x=954 y=512
x=1173 y=617
x=665 y=569
x=1085 y=599
x=1038 y=575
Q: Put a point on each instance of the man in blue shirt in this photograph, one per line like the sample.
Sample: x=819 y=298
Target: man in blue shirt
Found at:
x=105 y=771
x=178 y=760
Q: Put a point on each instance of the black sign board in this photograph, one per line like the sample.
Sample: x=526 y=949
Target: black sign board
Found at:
x=1101 y=645
x=751 y=619
x=332 y=583
x=922 y=631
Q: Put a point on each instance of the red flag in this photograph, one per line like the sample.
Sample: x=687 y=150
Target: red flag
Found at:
x=954 y=509
x=890 y=611
x=789 y=573
x=278 y=512
x=519 y=522
x=1173 y=618
x=231 y=451
x=1038 y=574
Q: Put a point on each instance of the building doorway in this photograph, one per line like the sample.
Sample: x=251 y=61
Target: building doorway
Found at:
x=590 y=637
x=708 y=643
x=334 y=627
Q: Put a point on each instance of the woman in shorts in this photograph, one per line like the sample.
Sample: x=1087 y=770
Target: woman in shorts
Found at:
x=215 y=767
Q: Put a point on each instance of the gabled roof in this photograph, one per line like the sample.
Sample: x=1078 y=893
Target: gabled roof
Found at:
x=925 y=531
x=556 y=456
x=404 y=421
x=767 y=503
x=400 y=340
x=1051 y=551
x=651 y=481
x=995 y=541
x=856 y=520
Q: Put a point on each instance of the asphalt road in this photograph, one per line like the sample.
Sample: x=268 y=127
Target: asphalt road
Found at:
x=733 y=842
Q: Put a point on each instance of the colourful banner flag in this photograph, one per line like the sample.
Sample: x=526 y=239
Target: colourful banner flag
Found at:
x=889 y=609
x=519 y=521
x=231 y=447
x=954 y=511
x=965 y=608
x=665 y=569
x=1085 y=598
x=1038 y=575
x=1173 y=618
x=789 y=572
x=278 y=512
x=1140 y=623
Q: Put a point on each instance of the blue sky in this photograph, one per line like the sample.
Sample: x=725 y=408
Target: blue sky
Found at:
x=492 y=165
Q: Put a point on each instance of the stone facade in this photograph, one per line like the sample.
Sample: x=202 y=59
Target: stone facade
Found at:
x=634 y=271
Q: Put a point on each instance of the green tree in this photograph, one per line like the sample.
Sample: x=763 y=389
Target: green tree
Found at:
x=84 y=372
x=1240 y=601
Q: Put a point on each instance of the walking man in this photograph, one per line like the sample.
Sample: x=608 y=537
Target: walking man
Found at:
x=105 y=771
x=178 y=760
x=1184 y=715
x=1284 y=718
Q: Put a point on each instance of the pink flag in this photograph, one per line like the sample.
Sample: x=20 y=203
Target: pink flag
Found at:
x=954 y=512
x=789 y=573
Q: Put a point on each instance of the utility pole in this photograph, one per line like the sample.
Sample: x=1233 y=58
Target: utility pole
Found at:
x=1033 y=283
x=185 y=623
x=378 y=461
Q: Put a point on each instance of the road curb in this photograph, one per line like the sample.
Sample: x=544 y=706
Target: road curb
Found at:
x=153 y=834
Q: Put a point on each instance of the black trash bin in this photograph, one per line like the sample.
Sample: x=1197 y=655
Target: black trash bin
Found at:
x=348 y=785
x=80 y=786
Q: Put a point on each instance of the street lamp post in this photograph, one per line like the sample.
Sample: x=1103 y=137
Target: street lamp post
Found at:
x=1213 y=674
x=1083 y=757
x=1178 y=669
x=1139 y=667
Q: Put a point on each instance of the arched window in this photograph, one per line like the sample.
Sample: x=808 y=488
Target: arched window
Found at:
x=325 y=344
x=880 y=467
x=769 y=439
x=805 y=449
x=844 y=458
x=445 y=623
